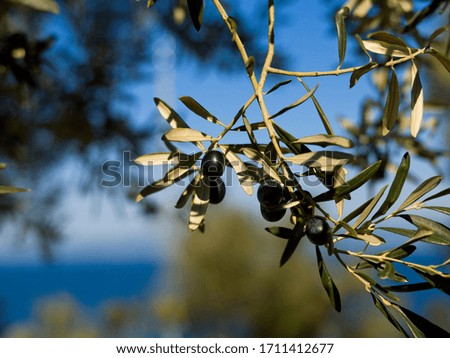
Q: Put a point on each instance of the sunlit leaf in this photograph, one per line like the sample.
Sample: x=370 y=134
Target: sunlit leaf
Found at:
x=396 y=186
x=5 y=189
x=328 y=283
x=198 y=109
x=246 y=180
x=296 y=103
x=183 y=165
x=361 y=44
x=288 y=139
x=324 y=140
x=440 y=209
x=169 y=114
x=351 y=185
x=420 y=191
x=325 y=160
x=249 y=131
x=150 y=3
x=366 y=212
x=3 y=166
x=196 y=9
x=388 y=272
x=340 y=16
x=153 y=159
x=254 y=126
x=321 y=113
x=278 y=85
x=441 y=233
x=199 y=206
x=398 y=254
x=416 y=100
x=358 y=73
x=262 y=159
x=185 y=135
x=388 y=38
x=41 y=5
x=390 y=112
x=384 y=48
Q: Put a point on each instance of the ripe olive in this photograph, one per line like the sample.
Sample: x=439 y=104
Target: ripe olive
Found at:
x=271 y=215
x=213 y=164
x=317 y=230
x=217 y=190
x=270 y=193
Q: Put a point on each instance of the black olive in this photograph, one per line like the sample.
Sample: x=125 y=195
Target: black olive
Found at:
x=317 y=230
x=213 y=164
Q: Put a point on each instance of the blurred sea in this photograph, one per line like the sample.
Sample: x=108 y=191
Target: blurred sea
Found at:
x=89 y=284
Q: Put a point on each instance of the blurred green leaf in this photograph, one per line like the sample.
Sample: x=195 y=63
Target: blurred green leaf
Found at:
x=198 y=109
x=388 y=38
x=150 y=3
x=185 y=135
x=296 y=103
x=278 y=85
x=396 y=187
x=358 y=73
x=390 y=112
x=250 y=66
x=420 y=191
x=327 y=282
x=324 y=140
x=196 y=9
x=437 y=32
x=411 y=287
x=5 y=189
x=416 y=100
x=351 y=185
x=442 y=59
x=3 y=166
x=41 y=5
x=441 y=233
x=340 y=17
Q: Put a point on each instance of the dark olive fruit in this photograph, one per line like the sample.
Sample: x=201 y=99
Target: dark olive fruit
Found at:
x=272 y=215
x=317 y=230
x=213 y=164
x=270 y=193
x=217 y=190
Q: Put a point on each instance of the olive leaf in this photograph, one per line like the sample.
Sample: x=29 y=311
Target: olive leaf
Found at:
x=385 y=311
x=340 y=17
x=324 y=140
x=150 y=3
x=436 y=33
x=391 y=107
x=5 y=189
x=41 y=5
x=351 y=184
x=296 y=103
x=399 y=254
x=291 y=245
x=387 y=38
x=361 y=71
x=185 y=135
x=249 y=131
x=420 y=191
x=437 y=280
x=442 y=59
x=288 y=139
x=368 y=209
x=327 y=282
x=198 y=109
x=441 y=232
x=440 y=209
x=396 y=186
x=388 y=49
x=187 y=193
x=245 y=177
x=388 y=272
x=154 y=159
x=361 y=44
x=438 y=195
x=325 y=160
x=196 y=9
x=416 y=101
x=281 y=232
x=278 y=85
x=199 y=206
x=253 y=126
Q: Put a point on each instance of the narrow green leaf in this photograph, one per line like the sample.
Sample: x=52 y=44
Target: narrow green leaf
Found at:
x=390 y=112
x=416 y=101
x=438 y=195
x=384 y=310
x=41 y=5
x=388 y=38
x=366 y=212
x=327 y=282
x=420 y=191
x=358 y=73
x=249 y=131
x=340 y=16
x=351 y=185
x=441 y=233
x=437 y=32
x=198 y=109
x=185 y=135
x=281 y=232
x=439 y=281
x=319 y=110
x=278 y=85
x=254 y=126
x=388 y=272
x=440 y=209
x=187 y=193
x=326 y=160
x=245 y=177
x=291 y=245
x=196 y=9
x=183 y=165
x=411 y=287
x=288 y=139
x=385 y=48
x=296 y=103
x=154 y=159
x=399 y=254
x=5 y=189
x=361 y=44
x=396 y=187
x=423 y=327
x=324 y=140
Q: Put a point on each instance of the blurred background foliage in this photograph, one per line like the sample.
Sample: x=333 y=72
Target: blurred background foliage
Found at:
x=66 y=85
